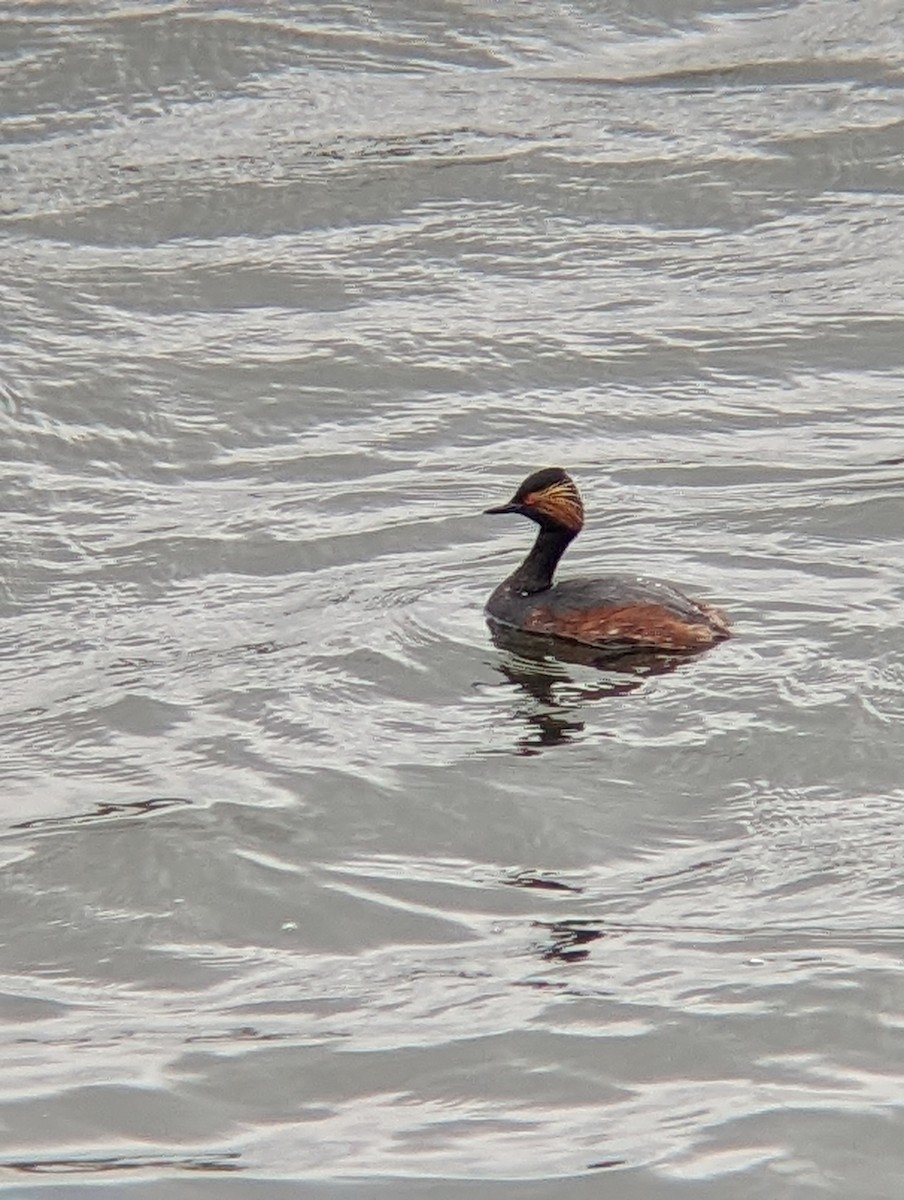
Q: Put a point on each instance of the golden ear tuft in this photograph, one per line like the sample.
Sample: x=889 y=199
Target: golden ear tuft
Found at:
x=560 y=502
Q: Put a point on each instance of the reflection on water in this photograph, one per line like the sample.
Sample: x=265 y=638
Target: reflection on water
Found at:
x=535 y=666
x=569 y=940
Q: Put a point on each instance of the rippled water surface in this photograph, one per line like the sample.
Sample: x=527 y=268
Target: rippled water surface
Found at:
x=309 y=888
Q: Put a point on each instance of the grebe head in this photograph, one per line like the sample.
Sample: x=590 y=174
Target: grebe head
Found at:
x=548 y=497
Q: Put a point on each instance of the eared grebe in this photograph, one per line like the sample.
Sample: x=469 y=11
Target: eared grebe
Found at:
x=610 y=611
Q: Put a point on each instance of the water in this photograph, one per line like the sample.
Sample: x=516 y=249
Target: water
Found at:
x=309 y=888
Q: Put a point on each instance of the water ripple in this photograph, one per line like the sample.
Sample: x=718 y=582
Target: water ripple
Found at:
x=306 y=877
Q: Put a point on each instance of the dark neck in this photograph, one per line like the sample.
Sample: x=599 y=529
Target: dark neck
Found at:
x=536 y=572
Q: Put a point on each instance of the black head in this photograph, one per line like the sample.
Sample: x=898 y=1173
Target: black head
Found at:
x=548 y=497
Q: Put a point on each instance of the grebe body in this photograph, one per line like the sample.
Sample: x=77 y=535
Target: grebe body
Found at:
x=610 y=611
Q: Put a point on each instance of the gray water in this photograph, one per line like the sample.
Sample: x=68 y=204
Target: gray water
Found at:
x=308 y=888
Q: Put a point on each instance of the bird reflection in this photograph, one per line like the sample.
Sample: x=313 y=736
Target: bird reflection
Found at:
x=568 y=940
x=554 y=698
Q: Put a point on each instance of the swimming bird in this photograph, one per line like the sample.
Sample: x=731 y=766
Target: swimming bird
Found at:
x=609 y=611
